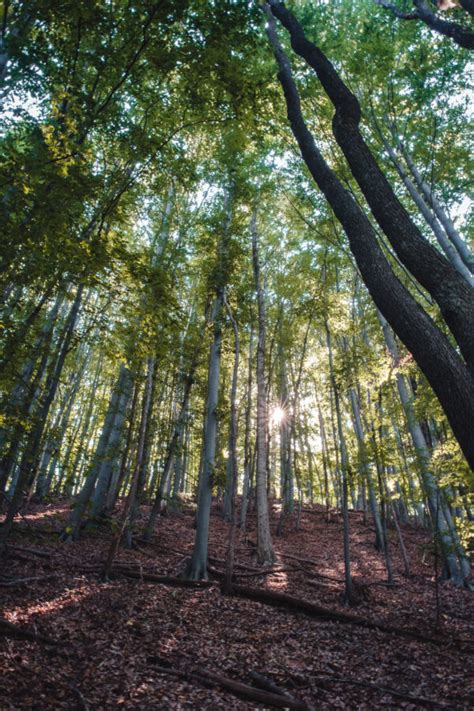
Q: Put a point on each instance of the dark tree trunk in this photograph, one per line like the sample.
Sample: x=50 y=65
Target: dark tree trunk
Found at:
x=453 y=295
x=446 y=372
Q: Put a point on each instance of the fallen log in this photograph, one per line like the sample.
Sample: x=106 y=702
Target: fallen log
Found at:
x=10 y=630
x=277 y=599
x=237 y=688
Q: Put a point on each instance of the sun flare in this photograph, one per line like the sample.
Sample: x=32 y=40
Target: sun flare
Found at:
x=278 y=415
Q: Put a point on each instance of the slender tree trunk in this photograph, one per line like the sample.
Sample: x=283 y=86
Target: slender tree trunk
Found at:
x=457 y=566
x=112 y=451
x=229 y=571
x=324 y=454
x=265 y=553
x=345 y=476
x=365 y=469
x=247 y=443
x=443 y=217
x=125 y=517
x=197 y=569
x=59 y=429
x=22 y=398
x=29 y=460
x=71 y=531
x=430 y=218
x=171 y=452
x=198 y=564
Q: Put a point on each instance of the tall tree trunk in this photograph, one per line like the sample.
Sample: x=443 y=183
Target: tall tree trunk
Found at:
x=430 y=217
x=198 y=565
x=22 y=397
x=265 y=553
x=59 y=428
x=172 y=447
x=112 y=451
x=345 y=475
x=71 y=531
x=197 y=569
x=30 y=456
x=229 y=570
x=365 y=469
x=443 y=217
x=125 y=517
x=455 y=560
x=144 y=454
x=247 y=442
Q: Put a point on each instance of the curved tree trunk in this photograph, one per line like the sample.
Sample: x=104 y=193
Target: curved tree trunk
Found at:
x=446 y=372
x=433 y=271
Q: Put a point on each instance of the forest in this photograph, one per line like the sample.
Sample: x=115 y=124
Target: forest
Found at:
x=236 y=354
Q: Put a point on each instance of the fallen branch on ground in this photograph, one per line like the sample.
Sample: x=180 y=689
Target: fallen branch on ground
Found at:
x=236 y=687
x=269 y=571
x=10 y=630
x=160 y=579
x=310 y=561
x=420 y=700
x=23 y=581
x=270 y=597
x=32 y=551
x=267 y=684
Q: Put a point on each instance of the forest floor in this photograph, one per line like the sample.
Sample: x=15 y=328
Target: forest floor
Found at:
x=120 y=642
